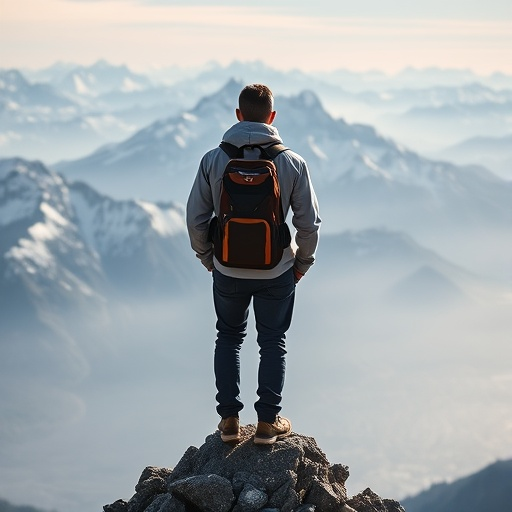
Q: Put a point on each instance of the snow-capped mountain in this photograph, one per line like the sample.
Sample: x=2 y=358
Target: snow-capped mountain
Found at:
x=80 y=239
x=67 y=250
x=16 y=92
x=362 y=178
x=101 y=78
x=142 y=246
x=109 y=103
x=160 y=161
x=39 y=121
x=47 y=273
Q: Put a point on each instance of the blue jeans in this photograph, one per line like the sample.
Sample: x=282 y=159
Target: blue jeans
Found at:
x=273 y=301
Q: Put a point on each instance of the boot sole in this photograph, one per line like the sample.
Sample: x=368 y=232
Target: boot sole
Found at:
x=270 y=440
x=230 y=438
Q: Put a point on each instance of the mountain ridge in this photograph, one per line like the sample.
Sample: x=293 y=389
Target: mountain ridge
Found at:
x=349 y=164
x=488 y=489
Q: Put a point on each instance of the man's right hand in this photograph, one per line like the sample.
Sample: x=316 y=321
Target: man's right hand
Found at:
x=297 y=275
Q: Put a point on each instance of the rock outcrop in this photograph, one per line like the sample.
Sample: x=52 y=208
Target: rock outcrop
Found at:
x=293 y=475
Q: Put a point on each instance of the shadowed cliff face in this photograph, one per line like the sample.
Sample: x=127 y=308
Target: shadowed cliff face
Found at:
x=293 y=475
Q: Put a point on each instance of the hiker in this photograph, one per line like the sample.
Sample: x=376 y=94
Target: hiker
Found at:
x=272 y=289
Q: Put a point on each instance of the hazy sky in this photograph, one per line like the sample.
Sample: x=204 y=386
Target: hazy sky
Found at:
x=319 y=34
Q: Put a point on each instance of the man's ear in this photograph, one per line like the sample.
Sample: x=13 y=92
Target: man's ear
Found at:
x=271 y=117
x=239 y=115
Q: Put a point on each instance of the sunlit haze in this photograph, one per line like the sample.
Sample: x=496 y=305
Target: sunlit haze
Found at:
x=399 y=351
x=320 y=35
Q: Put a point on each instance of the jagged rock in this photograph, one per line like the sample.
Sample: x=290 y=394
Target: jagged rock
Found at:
x=340 y=473
x=152 y=482
x=153 y=479
x=368 y=501
x=292 y=475
x=322 y=496
x=117 y=506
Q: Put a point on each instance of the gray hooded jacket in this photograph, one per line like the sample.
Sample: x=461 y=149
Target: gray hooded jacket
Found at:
x=297 y=195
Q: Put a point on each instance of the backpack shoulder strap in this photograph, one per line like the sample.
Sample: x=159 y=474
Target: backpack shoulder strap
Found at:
x=270 y=152
x=275 y=149
x=231 y=150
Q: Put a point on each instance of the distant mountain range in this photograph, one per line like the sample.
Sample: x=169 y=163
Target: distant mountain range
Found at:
x=106 y=103
x=42 y=121
x=100 y=78
x=493 y=152
x=351 y=165
x=488 y=489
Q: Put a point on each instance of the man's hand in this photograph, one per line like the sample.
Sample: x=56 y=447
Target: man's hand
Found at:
x=297 y=275
x=208 y=265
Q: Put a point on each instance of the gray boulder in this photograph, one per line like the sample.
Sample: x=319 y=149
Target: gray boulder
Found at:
x=207 y=493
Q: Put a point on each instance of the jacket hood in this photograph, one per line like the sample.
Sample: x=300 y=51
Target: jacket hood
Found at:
x=247 y=133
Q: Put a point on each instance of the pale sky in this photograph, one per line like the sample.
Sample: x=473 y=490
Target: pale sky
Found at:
x=311 y=35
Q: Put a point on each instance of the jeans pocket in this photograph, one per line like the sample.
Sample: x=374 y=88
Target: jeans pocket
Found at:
x=223 y=284
x=282 y=286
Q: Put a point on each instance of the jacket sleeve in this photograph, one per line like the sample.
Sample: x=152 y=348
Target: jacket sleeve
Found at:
x=199 y=214
x=305 y=219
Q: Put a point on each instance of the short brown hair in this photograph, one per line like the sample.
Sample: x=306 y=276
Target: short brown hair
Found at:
x=256 y=102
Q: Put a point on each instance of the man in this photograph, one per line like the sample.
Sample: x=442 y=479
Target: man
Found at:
x=272 y=291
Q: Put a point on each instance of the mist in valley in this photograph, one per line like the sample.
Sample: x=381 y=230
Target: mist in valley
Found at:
x=405 y=385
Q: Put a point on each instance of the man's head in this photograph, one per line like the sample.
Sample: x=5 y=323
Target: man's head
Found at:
x=256 y=103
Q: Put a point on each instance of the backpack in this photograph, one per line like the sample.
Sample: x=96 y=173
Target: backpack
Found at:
x=250 y=230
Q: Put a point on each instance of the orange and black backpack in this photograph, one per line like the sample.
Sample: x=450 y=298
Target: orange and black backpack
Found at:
x=250 y=230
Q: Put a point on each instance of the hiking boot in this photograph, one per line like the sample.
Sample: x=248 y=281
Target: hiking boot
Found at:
x=269 y=433
x=230 y=429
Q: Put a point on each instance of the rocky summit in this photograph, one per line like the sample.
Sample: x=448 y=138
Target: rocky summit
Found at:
x=292 y=475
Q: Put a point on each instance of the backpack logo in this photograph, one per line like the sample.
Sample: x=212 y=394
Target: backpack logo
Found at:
x=250 y=231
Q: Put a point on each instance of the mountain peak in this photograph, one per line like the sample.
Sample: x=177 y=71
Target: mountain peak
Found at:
x=310 y=100
x=10 y=78
x=427 y=285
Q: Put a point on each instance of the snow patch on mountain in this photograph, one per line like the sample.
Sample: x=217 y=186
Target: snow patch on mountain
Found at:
x=106 y=225
x=166 y=222
x=80 y=86
x=130 y=85
x=316 y=149
x=41 y=253
x=67 y=233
